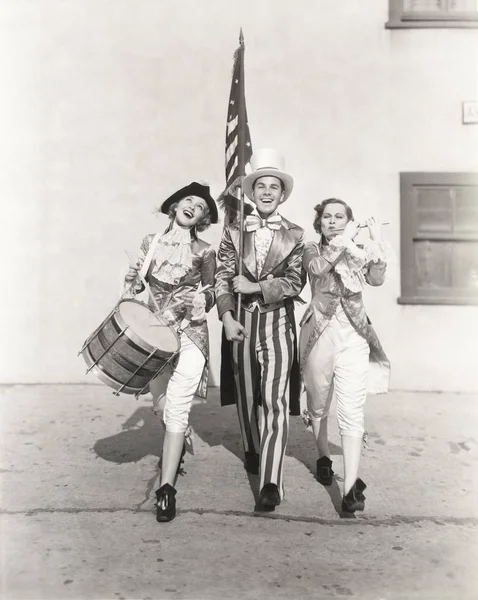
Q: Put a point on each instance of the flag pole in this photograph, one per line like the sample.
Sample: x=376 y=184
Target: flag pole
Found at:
x=241 y=159
x=238 y=153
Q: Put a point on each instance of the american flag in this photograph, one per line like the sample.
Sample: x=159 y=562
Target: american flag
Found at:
x=238 y=155
x=238 y=137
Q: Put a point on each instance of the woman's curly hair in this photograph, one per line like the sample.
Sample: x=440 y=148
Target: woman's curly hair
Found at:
x=319 y=211
x=201 y=225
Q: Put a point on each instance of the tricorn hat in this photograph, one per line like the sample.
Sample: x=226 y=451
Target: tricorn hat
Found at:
x=193 y=189
x=267 y=163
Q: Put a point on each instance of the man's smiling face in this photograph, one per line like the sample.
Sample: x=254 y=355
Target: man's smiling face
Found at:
x=267 y=194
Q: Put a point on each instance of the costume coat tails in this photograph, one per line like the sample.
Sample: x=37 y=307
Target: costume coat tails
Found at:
x=262 y=364
x=202 y=272
x=328 y=291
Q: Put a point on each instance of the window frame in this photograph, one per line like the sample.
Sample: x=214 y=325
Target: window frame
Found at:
x=399 y=19
x=408 y=234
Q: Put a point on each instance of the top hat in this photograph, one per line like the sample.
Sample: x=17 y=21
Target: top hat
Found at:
x=193 y=189
x=267 y=163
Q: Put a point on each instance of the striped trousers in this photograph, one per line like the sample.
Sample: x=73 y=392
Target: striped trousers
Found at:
x=262 y=365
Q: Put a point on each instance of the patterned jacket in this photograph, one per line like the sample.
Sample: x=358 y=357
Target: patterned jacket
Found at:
x=282 y=276
x=202 y=272
x=281 y=279
x=328 y=291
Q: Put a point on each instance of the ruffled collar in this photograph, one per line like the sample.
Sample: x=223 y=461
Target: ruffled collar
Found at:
x=173 y=256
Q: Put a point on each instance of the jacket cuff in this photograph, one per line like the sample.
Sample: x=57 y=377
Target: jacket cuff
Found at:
x=210 y=299
x=225 y=303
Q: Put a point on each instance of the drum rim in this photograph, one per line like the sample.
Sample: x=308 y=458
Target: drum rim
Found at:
x=134 y=337
x=110 y=381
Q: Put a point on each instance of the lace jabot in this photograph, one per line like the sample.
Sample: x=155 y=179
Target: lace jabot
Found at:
x=353 y=262
x=173 y=255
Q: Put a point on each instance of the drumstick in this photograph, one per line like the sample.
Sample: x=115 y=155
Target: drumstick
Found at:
x=203 y=289
x=143 y=281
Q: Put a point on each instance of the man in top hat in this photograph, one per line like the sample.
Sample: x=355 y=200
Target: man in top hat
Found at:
x=264 y=332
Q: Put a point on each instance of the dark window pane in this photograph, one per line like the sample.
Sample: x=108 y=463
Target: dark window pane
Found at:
x=466 y=209
x=434 y=210
x=465 y=265
x=433 y=264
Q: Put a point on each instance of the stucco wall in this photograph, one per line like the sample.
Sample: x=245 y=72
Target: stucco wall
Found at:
x=109 y=106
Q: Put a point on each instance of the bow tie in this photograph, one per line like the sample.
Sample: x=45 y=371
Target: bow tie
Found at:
x=254 y=222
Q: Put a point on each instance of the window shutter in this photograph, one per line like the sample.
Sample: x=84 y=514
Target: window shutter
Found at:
x=439 y=238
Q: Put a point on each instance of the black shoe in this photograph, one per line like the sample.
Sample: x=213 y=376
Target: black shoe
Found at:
x=269 y=498
x=165 y=493
x=251 y=463
x=354 y=499
x=324 y=471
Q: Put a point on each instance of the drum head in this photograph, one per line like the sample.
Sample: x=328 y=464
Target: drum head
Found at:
x=142 y=321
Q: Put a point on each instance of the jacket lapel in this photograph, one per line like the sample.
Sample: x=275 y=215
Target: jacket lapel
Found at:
x=249 y=260
x=282 y=245
x=250 y=254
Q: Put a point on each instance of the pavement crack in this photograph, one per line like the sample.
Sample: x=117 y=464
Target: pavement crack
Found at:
x=360 y=520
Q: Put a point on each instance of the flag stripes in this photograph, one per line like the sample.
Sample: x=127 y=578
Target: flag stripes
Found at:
x=237 y=128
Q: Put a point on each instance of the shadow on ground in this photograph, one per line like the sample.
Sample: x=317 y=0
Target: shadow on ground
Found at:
x=142 y=435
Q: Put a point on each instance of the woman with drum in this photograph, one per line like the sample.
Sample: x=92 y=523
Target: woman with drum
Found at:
x=180 y=270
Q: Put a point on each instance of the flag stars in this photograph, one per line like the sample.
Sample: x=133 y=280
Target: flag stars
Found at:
x=231 y=102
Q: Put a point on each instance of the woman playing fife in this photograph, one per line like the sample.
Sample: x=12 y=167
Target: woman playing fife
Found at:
x=339 y=349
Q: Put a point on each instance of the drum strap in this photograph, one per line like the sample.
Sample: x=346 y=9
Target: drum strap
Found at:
x=149 y=256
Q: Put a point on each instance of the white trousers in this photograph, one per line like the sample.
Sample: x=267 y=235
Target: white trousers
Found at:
x=339 y=360
x=178 y=389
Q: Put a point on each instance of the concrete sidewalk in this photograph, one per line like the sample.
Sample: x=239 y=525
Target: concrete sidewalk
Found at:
x=80 y=466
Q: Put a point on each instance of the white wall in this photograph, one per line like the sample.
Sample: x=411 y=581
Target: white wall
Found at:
x=109 y=106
